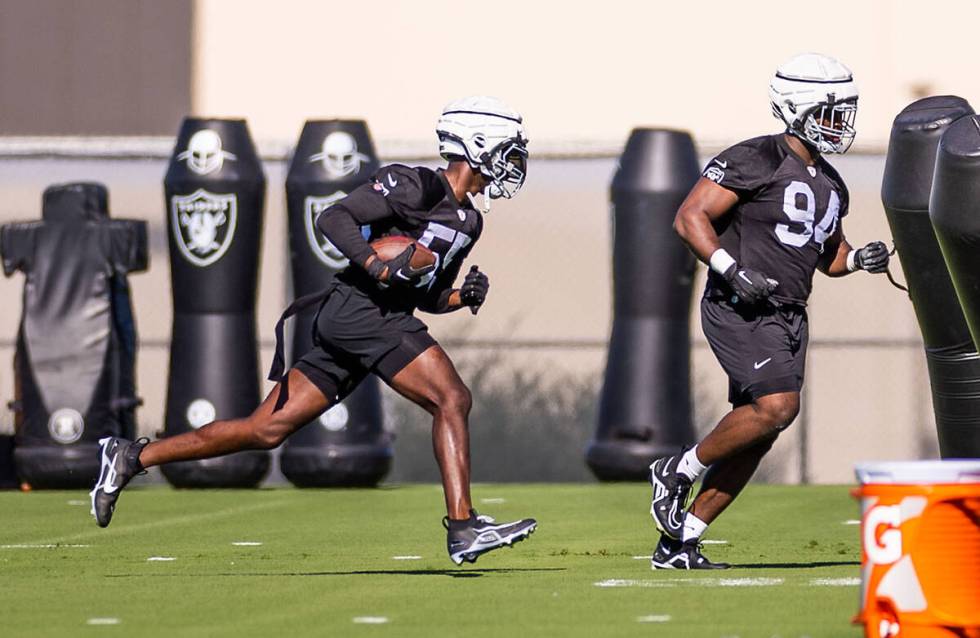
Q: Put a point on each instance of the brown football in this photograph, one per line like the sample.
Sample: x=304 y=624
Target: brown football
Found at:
x=390 y=247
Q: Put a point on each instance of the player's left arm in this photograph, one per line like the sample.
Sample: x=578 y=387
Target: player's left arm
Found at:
x=443 y=297
x=840 y=258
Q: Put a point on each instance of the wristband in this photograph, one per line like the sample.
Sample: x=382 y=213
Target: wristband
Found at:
x=376 y=267
x=721 y=261
x=852 y=264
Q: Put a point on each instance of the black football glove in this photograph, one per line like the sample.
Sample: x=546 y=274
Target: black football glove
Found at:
x=750 y=286
x=873 y=257
x=401 y=273
x=476 y=285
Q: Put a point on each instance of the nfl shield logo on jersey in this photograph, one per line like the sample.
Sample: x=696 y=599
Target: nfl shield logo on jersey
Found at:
x=203 y=224
x=325 y=251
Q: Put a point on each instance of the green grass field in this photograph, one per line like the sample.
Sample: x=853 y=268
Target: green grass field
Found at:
x=322 y=562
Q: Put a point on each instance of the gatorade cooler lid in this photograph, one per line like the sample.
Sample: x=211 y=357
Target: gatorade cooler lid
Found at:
x=954 y=471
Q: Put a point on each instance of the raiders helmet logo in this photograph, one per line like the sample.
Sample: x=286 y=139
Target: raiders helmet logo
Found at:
x=320 y=245
x=204 y=153
x=203 y=225
x=339 y=155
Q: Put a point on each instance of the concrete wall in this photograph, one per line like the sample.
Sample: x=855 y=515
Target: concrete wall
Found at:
x=70 y=67
x=577 y=72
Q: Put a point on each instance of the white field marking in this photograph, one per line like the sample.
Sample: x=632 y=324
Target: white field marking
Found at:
x=836 y=582
x=493 y=501
x=406 y=558
x=246 y=543
x=695 y=582
x=713 y=542
x=102 y=621
x=75 y=501
x=852 y=521
x=165 y=522
x=654 y=618
x=642 y=557
x=160 y=559
x=41 y=546
x=370 y=620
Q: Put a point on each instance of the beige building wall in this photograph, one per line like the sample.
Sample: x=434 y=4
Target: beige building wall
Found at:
x=576 y=71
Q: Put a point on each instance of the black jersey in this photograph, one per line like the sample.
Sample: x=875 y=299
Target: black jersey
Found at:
x=786 y=210
x=418 y=203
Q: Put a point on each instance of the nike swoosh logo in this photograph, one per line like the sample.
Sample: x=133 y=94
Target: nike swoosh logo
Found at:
x=759 y=364
x=392 y=182
x=721 y=163
x=109 y=488
x=741 y=274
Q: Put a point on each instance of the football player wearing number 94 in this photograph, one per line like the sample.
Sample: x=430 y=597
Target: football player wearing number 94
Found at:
x=765 y=214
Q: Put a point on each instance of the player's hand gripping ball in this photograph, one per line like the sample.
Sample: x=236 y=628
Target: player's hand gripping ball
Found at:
x=749 y=286
x=476 y=285
x=408 y=262
x=873 y=257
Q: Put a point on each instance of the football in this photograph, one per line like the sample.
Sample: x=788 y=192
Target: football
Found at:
x=390 y=247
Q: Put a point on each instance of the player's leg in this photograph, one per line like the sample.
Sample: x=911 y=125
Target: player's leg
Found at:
x=755 y=348
x=431 y=381
x=265 y=428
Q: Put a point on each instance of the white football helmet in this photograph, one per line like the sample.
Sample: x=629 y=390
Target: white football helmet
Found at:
x=816 y=97
x=489 y=135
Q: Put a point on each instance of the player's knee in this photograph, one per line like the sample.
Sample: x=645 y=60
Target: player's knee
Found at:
x=457 y=400
x=269 y=434
x=778 y=412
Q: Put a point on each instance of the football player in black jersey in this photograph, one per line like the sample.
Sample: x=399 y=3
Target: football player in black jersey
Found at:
x=366 y=322
x=765 y=214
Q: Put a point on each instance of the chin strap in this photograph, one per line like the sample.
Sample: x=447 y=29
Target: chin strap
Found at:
x=891 y=279
x=483 y=208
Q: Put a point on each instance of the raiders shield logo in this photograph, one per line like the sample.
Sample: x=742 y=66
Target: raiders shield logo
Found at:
x=203 y=225
x=320 y=245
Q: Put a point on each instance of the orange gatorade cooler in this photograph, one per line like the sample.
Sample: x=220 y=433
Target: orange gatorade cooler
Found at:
x=920 y=549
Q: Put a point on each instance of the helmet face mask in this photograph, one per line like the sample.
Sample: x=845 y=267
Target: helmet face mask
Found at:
x=489 y=136
x=830 y=127
x=816 y=97
x=505 y=167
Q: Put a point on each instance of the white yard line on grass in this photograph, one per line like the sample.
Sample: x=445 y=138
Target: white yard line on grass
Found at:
x=493 y=501
x=370 y=620
x=165 y=522
x=836 y=582
x=654 y=618
x=694 y=582
x=246 y=543
x=102 y=621
x=406 y=558
x=78 y=502
x=160 y=559
x=713 y=542
x=41 y=546
x=852 y=521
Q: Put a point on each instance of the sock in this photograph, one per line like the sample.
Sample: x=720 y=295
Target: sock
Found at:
x=690 y=466
x=458 y=524
x=693 y=527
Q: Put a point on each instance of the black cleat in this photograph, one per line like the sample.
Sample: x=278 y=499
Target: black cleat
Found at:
x=119 y=463
x=670 y=491
x=470 y=539
x=675 y=554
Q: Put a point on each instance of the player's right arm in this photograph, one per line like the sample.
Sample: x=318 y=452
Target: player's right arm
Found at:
x=706 y=203
x=393 y=192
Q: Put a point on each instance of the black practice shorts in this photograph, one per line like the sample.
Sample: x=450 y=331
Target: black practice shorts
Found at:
x=353 y=336
x=761 y=348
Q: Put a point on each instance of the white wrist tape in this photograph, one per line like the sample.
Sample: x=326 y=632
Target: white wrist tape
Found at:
x=721 y=261
x=852 y=264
